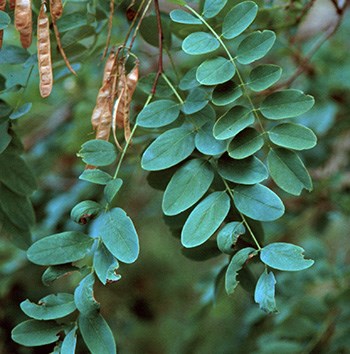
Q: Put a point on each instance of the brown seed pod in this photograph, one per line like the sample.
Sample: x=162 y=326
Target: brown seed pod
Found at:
x=56 y=10
x=114 y=117
x=23 y=14
x=44 y=53
x=2 y=8
x=26 y=36
x=110 y=26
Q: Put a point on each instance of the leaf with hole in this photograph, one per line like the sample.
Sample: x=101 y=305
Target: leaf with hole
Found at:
x=258 y=202
x=264 y=293
x=205 y=219
x=228 y=236
x=286 y=104
x=285 y=256
x=199 y=43
x=84 y=297
x=245 y=144
x=215 y=71
x=189 y=183
x=293 y=136
x=263 y=76
x=255 y=46
x=65 y=247
x=288 y=171
x=232 y=122
x=85 y=211
x=158 y=114
x=170 y=148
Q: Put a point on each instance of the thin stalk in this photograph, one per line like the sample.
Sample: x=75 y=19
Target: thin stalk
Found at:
x=172 y=88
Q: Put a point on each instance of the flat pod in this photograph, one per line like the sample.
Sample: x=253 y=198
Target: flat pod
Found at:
x=23 y=14
x=44 y=53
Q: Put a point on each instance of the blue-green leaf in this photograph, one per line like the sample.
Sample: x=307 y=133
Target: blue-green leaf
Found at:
x=69 y=342
x=199 y=43
x=97 y=335
x=189 y=81
x=215 y=71
x=264 y=293
x=119 y=235
x=205 y=219
x=226 y=93
x=21 y=111
x=84 y=297
x=85 y=211
x=288 y=171
x=206 y=115
x=285 y=256
x=228 y=236
x=105 y=265
x=235 y=265
x=65 y=247
x=169 y=149
x=184 y=17
x=239 y=19
x=245 y=144
x=232 y=122
x=34 y=333
x=50 y=307
x=293 y=136
x=196 y=100
x=286 y=104
x=212 y=7
x=95 y=176
x=158 y=114
x=258 y=202
x=187 y=186
x=206 y=142
x=5 y=20
x=112 y=188
x=255 y=46
x=247 y=171
x=264 y=76
x=98 y=153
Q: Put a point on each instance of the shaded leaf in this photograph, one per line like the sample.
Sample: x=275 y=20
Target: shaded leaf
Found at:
x=264 y=293
x=196 y=100
x=95 y=176
x=69 y=342
x=112 y=188
x=206 y=143
x=189 y=80
x=226 y=93
x=55 y=272
x=84 y=297
x=21 y=111
x=245 y=144
x=264 y=76
x=228 y=236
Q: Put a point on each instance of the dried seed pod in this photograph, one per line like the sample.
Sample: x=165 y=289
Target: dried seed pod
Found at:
x=110 y=26
x=26 y=36
x=2 y=8
x=56 y=10
x=114 y=117
x=44 y=53
x=23 y=14
x=12 y=4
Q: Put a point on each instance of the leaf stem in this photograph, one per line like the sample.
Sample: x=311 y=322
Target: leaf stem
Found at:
x=172 y=88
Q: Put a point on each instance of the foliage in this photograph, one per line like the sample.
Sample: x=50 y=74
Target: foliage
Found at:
x=222 y=134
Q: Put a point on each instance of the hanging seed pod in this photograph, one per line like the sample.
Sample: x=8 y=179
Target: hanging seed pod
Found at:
x=2 y=8
x=23 y=14
x=56 y=10
x=114 y=118
x=110 y=26
x=44 y=53
x=26 y=36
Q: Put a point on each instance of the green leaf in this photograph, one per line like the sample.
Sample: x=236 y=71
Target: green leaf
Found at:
x=239 y=19
x=84 y=297
x=55 y=272
x=73 y=36
x=288 y=171
x=112 y=188
x=146 y=83
x=247 y=171
x=236 y=264
x=228 y=236
x=85 y=211
x=15 y=174
x=5 y=20
x=18 y=208
x=105 y=265
x=245 y=144
x=169 y=149
x=95 y=176
x=50 y=307
x=264 y=76
x=212 y=7
x=206 y=143
x=34 y=333
x=21 y=111
x=20 y=237
x=189 y=80
x=98 y=153
x=196 y=100
x=184 y=17
x=149 y=30
x=11 y=54
x=255 y=46
x=205 y=219
x=226 y=93
x=187 y=186
x=232 y=122
x=286 y=104
x=97 y=335
x=206 y=115
x=65 y=247
x=69 y=342
x=5 y=137
x=264 y=293
x=119 y=235
x=285 y=256
x=258 y=202
x=215 y=71
x=158 y=114
x=293 y=136
x=199 y=43
x=72 y=20
x=207 y=250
